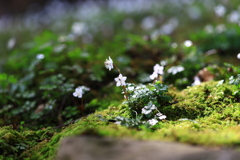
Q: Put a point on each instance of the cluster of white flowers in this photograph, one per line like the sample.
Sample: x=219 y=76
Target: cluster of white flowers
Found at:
x=137 y=91
x=79 y=91
x=157 y=70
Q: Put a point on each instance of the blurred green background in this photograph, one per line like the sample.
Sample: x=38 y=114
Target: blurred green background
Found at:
x=49 y=48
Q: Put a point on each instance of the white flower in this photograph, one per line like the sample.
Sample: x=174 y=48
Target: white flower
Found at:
x=79 y=28
x=220 y=10
x=175 y=69
x=40 y=56
x=238 y=56
x=154 y=75
x=197 y=81
x=157 y=69
x=79 y=91
x=152 y=122
x=120 y=80
x=188 y=43
x=109 y=63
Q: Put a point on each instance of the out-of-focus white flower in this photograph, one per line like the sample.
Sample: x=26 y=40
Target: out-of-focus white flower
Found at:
x=79 y=28
x=234 y=17
x=11 y=43
x=109 y=63
x=154 y=75
x=238 y=56
x=220 y=83
x=175 y=69
x=148 y=23
x=188 y=43
x=174 y=45
x=121 y=80
x=209 y=28
x=157 y=69
x=197 y=81
x=40 y=56
x=152 y=122
x=220 y=28
x=220 y=10
x=79 y=91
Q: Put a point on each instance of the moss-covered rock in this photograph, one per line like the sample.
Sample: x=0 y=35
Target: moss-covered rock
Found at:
x=207 y=114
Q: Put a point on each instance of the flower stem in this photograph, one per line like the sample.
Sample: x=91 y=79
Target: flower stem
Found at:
x=124 y=87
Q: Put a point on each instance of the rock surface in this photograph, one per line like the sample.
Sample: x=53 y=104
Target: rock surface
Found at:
x=99 y=148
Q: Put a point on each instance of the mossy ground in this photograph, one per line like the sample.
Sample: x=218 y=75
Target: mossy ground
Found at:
x=207 y=115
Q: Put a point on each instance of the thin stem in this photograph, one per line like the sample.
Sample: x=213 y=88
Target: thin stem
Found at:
x=117 y=68
x=125 y=92
x=124 y=87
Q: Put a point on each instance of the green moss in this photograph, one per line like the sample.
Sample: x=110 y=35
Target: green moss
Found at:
x=13 y=143
x=207 y=115
x=201 y=100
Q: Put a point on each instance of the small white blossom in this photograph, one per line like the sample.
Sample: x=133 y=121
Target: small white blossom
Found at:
x=79 y=28
x=220 y=83
x=109 y=63
x=233 y=17
x=40 y=56
x=188 y=43
x=11 y=43
x=152 y=122
x=154 y=75
x=157 y=69
x=121 y=80
x=238 y=56
x=197 y=81
x=175 y=69
x=79 y=91
x=220 y=10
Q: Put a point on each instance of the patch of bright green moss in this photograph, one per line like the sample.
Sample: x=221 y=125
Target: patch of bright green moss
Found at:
x=13 y=143
x=203 y=100
x=207 y=115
